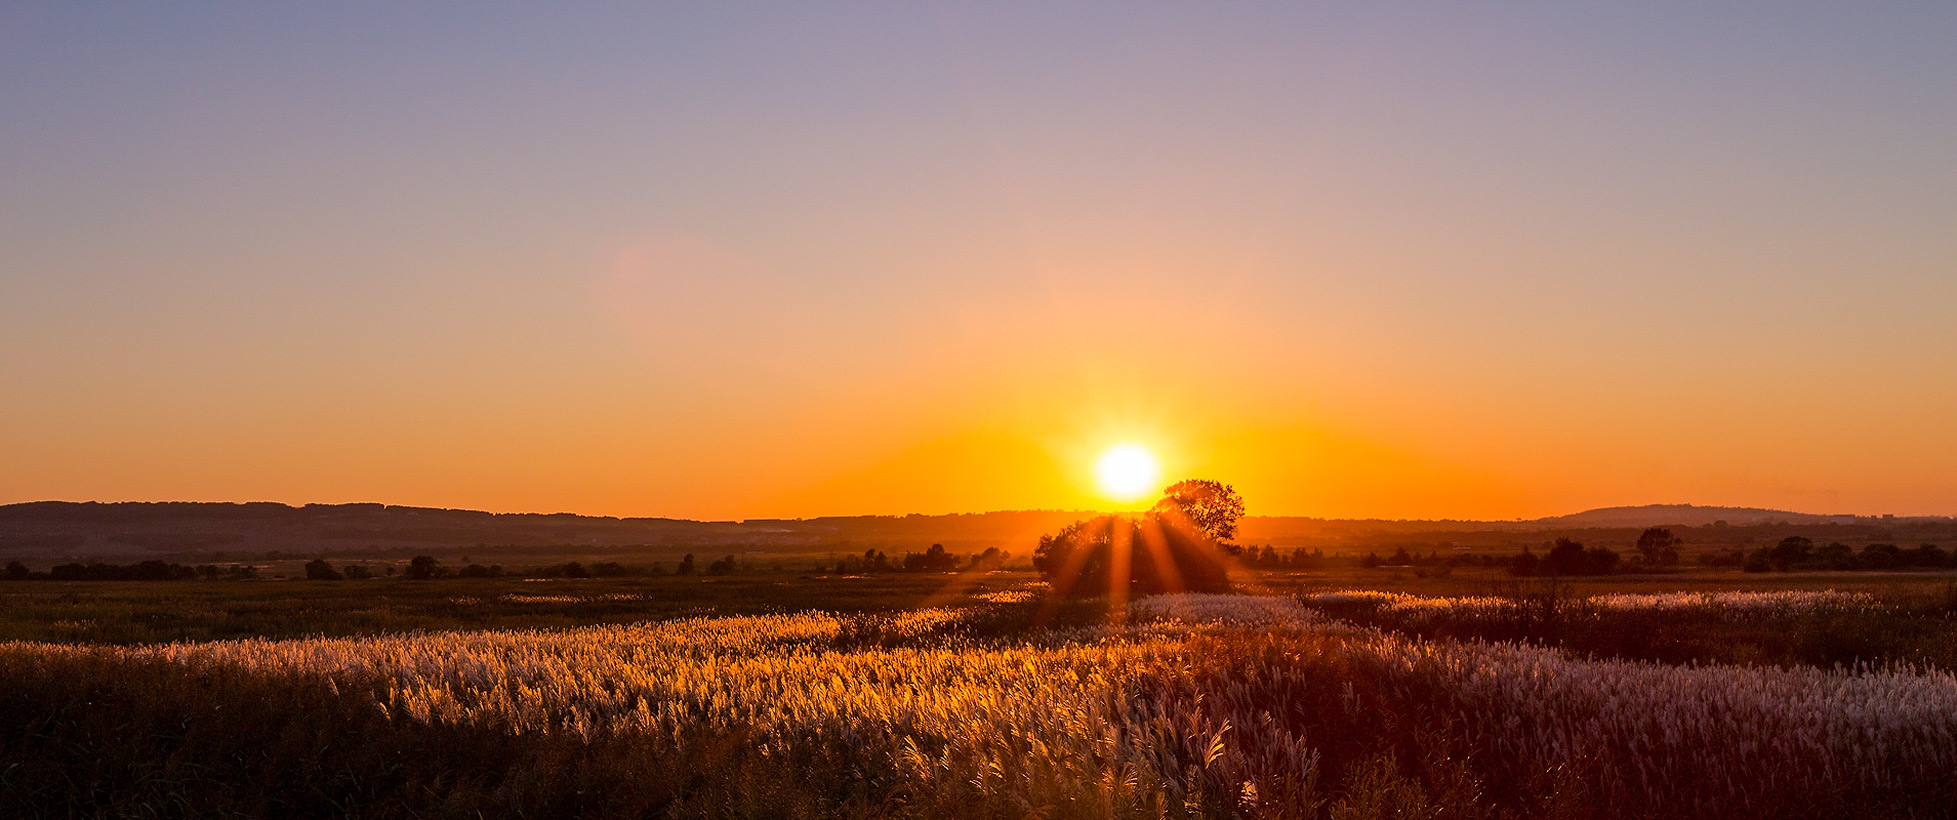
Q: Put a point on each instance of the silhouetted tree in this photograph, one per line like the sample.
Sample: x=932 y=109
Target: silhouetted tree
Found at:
x=16 y=571
x=686 y=565
x=1929 y=555
x=1658 y=546
x=1881 y=556
x=1568 y=557
x=1212 y=507
x=318 y=570
x=423 y=568
x=875 y=561
x=990 y=558
x=1836 y=556
x=355 y=572
x=1759 y=560
x=1791 y=550
x=934 y=559
x=1525 y=564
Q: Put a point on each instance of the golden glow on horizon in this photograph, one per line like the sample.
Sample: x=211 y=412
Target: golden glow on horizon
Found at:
x=1127 y=472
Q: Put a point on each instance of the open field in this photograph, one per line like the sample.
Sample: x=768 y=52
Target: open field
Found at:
x=147 y=612
x=897 y=695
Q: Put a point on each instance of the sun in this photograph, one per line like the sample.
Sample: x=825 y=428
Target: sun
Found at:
x=1127 y=472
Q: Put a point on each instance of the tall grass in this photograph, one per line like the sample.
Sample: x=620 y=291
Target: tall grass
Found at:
x=1823 y=628
x=1193 y=706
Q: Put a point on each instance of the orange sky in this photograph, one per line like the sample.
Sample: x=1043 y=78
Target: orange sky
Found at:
x=1404 y=264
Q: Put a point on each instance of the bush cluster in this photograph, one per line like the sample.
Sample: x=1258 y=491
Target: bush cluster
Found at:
x=1566 y=557
x=1799 y=553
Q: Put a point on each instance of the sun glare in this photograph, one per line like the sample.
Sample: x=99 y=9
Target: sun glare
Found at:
x=1127 y=472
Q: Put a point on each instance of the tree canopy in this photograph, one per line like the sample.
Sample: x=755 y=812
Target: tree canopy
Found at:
x=1212 y=507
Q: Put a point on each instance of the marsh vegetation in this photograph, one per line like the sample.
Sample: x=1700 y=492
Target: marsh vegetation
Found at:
x=997 y=700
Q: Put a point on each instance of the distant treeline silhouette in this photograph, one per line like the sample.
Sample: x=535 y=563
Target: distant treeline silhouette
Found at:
x=1657 y=548
x=935 y=559
x=144 y=571
x=1797 y=552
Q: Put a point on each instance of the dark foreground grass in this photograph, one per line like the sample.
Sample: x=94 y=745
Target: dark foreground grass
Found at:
x=92 y=738
x=89 y=735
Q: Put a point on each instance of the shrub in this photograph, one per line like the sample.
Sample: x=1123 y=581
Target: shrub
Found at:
x=1929 y=555
x=1881 y=556
x=1568 y=557
x=1791 y=550
x=934 y=559
x=318 y=570
x=1760 y=560
x=1657 y=546
x=1836 y=556
x=423 y=568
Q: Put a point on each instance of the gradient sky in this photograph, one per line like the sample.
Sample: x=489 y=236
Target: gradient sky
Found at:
x=1484 y=260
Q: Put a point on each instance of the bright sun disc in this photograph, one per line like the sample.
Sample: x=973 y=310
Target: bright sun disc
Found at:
x=1127 y=472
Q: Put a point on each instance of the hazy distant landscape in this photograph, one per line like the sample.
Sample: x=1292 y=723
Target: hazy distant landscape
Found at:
x=63 y=531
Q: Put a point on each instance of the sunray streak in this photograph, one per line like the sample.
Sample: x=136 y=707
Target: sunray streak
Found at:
x=1156 y=541
x=1062 y=584
x=1210 y=550
x=1121 y=557
x=956 y=586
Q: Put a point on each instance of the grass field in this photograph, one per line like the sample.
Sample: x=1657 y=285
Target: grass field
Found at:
x=1342 y=694
x=123 y=612
x=146 y=612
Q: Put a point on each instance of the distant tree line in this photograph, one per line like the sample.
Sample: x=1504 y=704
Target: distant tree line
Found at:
x=143 y=571
x=420 y=568
x=1296 y=559
x=1566 y=557
x=1797 y=553
x=934 y=559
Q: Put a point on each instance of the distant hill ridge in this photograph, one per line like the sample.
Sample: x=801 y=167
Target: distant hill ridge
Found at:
x=1688 y=515
x=53 y=529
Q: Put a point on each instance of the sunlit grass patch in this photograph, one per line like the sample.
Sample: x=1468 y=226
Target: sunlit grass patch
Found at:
x=1203 y=705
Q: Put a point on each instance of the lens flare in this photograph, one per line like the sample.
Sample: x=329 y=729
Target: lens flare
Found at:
x=1127 y=472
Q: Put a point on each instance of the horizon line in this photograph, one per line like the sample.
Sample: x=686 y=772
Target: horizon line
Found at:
x=384 y=505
